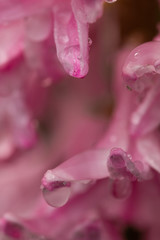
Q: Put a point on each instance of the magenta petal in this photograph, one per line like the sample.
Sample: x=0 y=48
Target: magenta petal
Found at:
x=71 y=39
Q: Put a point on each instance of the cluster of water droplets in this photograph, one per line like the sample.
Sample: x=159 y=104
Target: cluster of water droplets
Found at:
x=123 y=171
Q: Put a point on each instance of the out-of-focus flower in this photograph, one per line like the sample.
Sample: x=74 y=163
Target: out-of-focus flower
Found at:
x=99 y=135
x=33 y=20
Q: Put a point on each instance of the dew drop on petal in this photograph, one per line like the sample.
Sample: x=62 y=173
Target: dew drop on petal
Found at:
x=89 y=41
x=117 y=161
x=58 y=196
x=138 y=170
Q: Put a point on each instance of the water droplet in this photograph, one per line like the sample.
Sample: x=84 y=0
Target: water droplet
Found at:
x=117 y=161
x=136 y=54
x=129 y=156
x=157 y=66
x=89 y=41
x=110 y=1
x=136 y=168
x=57 y=193
x=120 y=165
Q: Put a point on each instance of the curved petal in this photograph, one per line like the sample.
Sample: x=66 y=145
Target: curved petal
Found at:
x=71 y=39
x=141 y=68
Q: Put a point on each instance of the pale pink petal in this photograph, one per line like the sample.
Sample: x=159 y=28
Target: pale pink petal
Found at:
x=87 y=166
x=93 y=166
x=118 y=134
x=149 y=147
x=146 y=116
x=38 y=26
x=87 y=11
x=11 y=41
x=141 y=68
x=15 y=9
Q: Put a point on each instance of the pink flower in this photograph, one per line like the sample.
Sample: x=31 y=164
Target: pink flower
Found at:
x=79 y=158
x=33 y=22
x=142 y=75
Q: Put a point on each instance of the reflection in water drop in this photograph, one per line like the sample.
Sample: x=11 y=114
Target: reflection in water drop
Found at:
x=57 y=194
x=117 y=161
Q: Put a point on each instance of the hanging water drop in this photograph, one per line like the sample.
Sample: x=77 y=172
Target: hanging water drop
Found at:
x=57 y=194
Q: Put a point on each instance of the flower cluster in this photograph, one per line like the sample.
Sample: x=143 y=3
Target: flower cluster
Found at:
x=79 y=158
